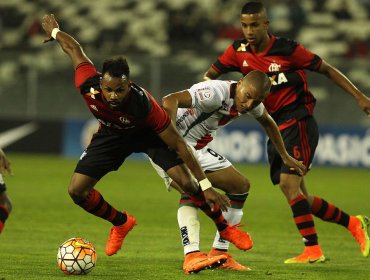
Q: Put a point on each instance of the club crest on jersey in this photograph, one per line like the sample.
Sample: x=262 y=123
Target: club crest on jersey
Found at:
x=124 y=120
x=274 y=67
x=245 y=63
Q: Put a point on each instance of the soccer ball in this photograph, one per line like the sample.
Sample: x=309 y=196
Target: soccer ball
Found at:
x=76 y=256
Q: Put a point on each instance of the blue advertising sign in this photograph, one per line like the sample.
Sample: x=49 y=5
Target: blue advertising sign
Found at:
x=246 y=142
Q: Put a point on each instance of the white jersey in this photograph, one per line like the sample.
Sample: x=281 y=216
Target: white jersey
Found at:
x=212 y=107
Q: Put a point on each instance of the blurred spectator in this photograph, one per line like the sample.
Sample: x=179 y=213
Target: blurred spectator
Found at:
x=358 y=48
x=342 y=13
x=297 y=17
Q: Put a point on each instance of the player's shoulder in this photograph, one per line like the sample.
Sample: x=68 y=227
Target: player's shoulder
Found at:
x=212 y=85
x=211 y=91
x=91 y=85
x=240 y=44
x=282 y=47
x=140 y=102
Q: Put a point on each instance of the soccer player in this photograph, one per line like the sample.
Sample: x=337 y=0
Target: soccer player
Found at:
x=5 y=203
x=291 y=105
x=198 y=113
x=131 y=121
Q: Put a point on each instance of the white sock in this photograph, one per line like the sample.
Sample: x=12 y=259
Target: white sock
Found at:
x=233 y=216
x=187 y=217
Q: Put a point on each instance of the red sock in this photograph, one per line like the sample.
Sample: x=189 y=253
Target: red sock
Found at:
x=304 y=220
x=96 y=205
x=329 y=212
x=216 y=215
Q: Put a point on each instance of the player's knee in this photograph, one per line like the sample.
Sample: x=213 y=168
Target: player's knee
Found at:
x=77 y=194
x=5 y=202
x=245 y=186
x=8 y=205
x=241 y=186
x=289 y=191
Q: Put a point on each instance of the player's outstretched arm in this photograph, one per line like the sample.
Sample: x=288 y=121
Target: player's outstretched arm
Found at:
x=69 y=45
x=273 y=133
x=341 y=80
x=173 y=101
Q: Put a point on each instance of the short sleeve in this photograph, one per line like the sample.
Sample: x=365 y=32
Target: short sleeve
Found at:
x=83 y=72
x=257 y=111
x=207 y=96
x=157 y=119
x=304 y=58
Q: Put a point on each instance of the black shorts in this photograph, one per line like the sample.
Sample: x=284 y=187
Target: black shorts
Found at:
x=300 y=140
x=107 y=152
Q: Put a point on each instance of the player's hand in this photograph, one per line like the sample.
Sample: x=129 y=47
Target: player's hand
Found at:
x=295 y=165
x=48 y=24
x=364 y=104
x=4 y=164
x=213 y=197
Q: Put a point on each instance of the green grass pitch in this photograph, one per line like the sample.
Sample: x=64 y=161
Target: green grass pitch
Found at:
x=44 y=216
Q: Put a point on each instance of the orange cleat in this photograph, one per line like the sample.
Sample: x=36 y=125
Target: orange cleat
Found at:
x=198 y=261
x=230 y=262
x=239 y=238
x=358 y=227
x=311 y=254
x=117 y=235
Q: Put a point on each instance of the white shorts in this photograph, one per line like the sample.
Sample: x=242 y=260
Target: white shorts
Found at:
x=208 y=159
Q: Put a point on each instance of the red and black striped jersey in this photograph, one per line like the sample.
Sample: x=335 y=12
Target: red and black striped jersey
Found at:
x=284 y=61
x=140 y=110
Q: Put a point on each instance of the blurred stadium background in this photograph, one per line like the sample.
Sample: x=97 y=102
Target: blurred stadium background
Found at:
x=169 y=44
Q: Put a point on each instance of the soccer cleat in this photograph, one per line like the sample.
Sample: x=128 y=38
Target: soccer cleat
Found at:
x=198 y=261
x=311 y=254
x=239 y=238
x=359 y=230
x=117 y=235
x=230 y=262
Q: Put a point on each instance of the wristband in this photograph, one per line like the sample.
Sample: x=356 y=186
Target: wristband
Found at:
x=54 y=32
x=205 y=184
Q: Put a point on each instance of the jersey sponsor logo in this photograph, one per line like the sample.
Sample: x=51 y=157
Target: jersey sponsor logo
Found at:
x=245 y=63
x=278 y=79
x=188 y=112
x=93 y=92
x=242 y=48
x=274 y=67
x=94 y=107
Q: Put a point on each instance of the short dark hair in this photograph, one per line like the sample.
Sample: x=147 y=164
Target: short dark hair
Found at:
x=116 y=67
x=253 y=7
